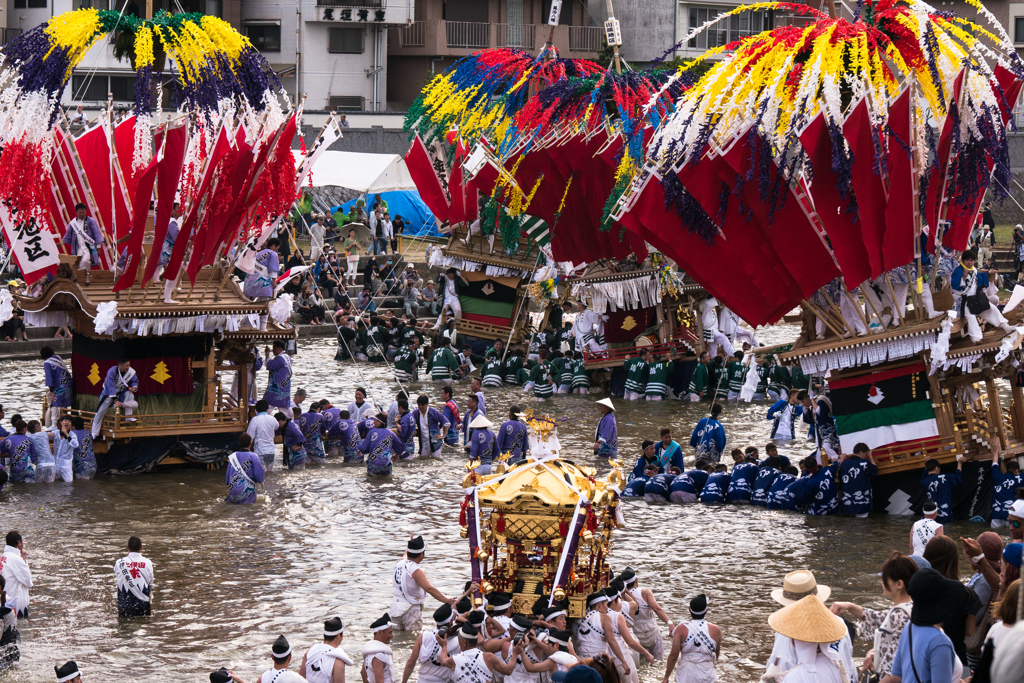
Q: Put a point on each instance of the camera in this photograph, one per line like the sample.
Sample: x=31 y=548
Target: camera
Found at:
x=518 y=637
x=442 y=632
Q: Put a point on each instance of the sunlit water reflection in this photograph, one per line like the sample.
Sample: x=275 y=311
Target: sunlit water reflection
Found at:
x=229 y=579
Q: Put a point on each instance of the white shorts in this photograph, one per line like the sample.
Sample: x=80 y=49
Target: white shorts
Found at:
x=412 y=620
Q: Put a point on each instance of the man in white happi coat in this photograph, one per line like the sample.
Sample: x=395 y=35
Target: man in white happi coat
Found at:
x=281 y=655
x=427 y=649
x=378 y=665
x=14 y=569
x=134 y=574
x=410 y=587
x=325 y=662
x=589 y=329
x=471 y=664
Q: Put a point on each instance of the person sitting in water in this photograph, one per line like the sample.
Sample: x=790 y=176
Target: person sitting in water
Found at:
x=382 y=447
x=717 y=485
x=687 y=487
x=743 y=475
x=658 y=488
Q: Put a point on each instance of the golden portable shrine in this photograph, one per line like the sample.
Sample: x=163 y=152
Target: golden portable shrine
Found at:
x=542 y=528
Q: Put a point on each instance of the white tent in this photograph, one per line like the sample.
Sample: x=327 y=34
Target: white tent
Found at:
x=365 y=173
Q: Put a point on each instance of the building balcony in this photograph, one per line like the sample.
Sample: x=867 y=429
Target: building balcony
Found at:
x=441 y=38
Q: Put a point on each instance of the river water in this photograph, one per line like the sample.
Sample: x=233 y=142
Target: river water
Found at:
x=229 y=579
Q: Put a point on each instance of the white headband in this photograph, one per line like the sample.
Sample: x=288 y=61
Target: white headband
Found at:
x=518 y=627
x=502 y=606
x=600 y=598
x=383 y=628
x=555 y=615
x=334 y=633
x=442 y=623
x=273 y=654
x=69 y=676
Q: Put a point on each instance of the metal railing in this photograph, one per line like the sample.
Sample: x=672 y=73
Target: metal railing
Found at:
x=413 y=35
x=9 y=34
x=349 y=3
x=467 y=34
x=516 y=35
x=585 y=38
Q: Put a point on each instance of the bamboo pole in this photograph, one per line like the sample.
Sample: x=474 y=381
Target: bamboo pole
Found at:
x=822 y=317
x=895 y=304
x=872 y=306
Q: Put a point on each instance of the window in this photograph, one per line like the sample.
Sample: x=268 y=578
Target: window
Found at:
x=727 y=30
x=264 y=37
x=123 y=88
x=465 y=10
x=95 y=88
x=84 y=88
x=92 y=4
x=345 y=41
x=1018 y=29
x=37 y=3
x=349 y=3
x=343 y=103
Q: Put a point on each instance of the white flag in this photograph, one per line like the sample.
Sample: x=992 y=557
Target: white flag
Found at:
x=35 y=250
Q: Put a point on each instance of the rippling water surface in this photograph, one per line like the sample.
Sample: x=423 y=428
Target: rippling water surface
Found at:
x=229 y=579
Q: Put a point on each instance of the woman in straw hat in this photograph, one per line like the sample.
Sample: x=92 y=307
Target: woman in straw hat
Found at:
x=812 y=629
x=797 y=585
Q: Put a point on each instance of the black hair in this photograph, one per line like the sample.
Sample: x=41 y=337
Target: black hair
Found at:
x=789 y=469
x=423 y=400
x=279 y=344
x=297 y=412
x=969 y=255
x=77 y=422
x=360 y=389
x=123 y=359
x=281 y=417
x=930 y=464
x=809 y=463
x=46 y=352
x=646 y=444
x=716 y=410
x=13 y=539
x=272 y=242
x=666 y=430
x=262 y=406
x=244 y=440
x=135 y=543
x=802 y=395
x=445 y=341
x=403 y=404
x=80 y=205
x=861 y=448
x=446 y=390
x=19 y=427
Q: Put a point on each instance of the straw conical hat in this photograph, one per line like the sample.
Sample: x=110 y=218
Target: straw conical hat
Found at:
x=808 y=620
x=480 y=422
x=606 y=402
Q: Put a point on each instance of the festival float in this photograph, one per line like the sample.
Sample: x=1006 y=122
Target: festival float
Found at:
x=523 y=156
x=224 y=153
x=543 y=527
x=829 y=167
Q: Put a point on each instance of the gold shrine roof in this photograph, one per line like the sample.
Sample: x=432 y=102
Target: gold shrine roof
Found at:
x=552 y=483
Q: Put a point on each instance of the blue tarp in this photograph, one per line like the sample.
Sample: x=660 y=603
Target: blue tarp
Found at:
x=419 y=220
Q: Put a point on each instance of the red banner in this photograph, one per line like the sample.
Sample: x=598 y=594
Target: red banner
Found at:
x=143 y=196
x=842 y=227
x=422 y=171
x=168 y=173
x=167 y=375
x=94 y=152
x=898 y=245
x=868 y=185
